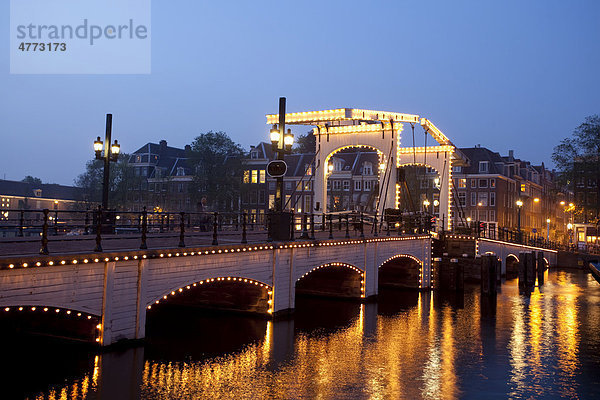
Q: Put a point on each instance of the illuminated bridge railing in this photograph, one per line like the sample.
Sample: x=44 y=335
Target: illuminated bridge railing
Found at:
x=28 y=232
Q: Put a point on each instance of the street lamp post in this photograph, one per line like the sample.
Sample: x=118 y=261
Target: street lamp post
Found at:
x=519 y=206
x=548 y=230
x=281 y=144
x=111 y=153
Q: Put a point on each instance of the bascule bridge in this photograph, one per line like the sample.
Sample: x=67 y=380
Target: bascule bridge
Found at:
x=381 y=131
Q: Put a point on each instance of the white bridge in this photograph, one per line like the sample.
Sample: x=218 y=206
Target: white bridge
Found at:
x=117 y=290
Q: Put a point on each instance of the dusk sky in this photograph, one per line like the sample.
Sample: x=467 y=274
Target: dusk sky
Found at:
x=506 y=74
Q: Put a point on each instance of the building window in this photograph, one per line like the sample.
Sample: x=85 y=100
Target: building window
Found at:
x=337 y=185
x=368 y=186
x=457 y=169
x=346 y=185
x=473 y=183
x=483 y=215
x=483 y=183
x=307 y=203
x=308 y=169
x=492 y=216
x=492 y=199
x=254 y=154
x=367 y=169
x=337 y=164
x=246 y=178
x=462 y=199
x=473 y=198
x=271 y=185
x=180 y=187
x=307 y=186
x=483 y=199
x=261 y=197
x=484 y=166
x=271 y=201
x=492 y=183
x=254 y=176
x=462 y=183
x=424 y=183
x=262 y=177
x=180 y=171
x=357 y=186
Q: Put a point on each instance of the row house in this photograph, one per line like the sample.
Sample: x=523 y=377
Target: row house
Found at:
x=165 y=178
x=488 y=186
x=351 y=184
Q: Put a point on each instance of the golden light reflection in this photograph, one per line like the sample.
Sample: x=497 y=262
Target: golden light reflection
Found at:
x=424 y=348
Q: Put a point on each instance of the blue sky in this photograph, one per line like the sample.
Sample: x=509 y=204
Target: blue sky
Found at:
x=507 y=75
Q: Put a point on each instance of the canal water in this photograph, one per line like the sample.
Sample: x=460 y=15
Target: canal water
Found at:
x=545 y=344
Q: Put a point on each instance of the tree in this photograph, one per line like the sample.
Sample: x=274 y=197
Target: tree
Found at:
x=216 y=162
x=121 y=180
x=32 y=180
x=306 y=143
x=578 y=157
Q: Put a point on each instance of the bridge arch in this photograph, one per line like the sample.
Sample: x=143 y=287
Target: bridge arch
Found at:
x=52 y=320
x=191 y=287
x=334 y=279
x=401 y=271
x=512 y=265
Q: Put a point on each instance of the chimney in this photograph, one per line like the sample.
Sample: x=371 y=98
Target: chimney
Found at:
x=511 y=155
x=163 y=145
x=188 y=148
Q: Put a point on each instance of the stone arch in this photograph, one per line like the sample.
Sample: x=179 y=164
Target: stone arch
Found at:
x=439 y=158
x=334 y=281
x=512 y=265
x=376 y=174
x=54 y=320
x=176 y=292
x=401 y=271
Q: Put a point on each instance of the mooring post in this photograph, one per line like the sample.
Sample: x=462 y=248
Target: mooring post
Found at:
x=99 y=217
x=312 y=226
x=182 y=229
x=215 y=242
x=44 y=248
x=541 y=263
x=330 y=226
x=347 y=226
x=21 y=223
x=244 y=238
x=143 y=245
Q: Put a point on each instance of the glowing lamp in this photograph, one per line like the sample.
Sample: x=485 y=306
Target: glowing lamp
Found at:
x=569 y=226
x=426 y=203
x=115 y=148
x=274 y=136
x=519 y=203
x=536 y=200
x=98 y=147
x=288 y=141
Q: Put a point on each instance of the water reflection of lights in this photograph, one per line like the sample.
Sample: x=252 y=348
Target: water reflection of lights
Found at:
x=425 y=350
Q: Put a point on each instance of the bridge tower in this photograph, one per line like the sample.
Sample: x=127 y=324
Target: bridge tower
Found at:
x=343 y=128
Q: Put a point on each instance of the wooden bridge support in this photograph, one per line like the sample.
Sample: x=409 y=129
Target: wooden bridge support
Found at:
x=490 y=273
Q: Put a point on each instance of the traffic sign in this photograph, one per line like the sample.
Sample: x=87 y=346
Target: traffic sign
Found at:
x=276 y=168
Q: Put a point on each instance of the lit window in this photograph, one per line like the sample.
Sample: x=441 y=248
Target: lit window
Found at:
x=462 y=183
x=254 y=176
x=246 y=178
x=473 y=183
x=262 y=176
x=492 y=183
